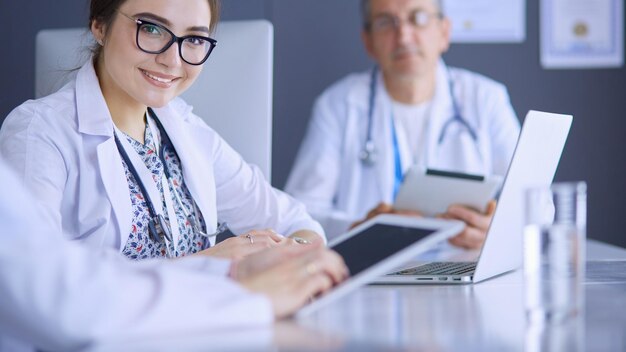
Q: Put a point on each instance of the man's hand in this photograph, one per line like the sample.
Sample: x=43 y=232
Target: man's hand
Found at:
x=477 y=224
x=385 y=208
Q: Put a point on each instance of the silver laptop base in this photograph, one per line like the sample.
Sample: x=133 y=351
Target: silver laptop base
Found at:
x=433 y=273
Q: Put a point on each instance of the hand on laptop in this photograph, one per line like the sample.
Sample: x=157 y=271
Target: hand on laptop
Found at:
x=477 y=224
x=385 y=208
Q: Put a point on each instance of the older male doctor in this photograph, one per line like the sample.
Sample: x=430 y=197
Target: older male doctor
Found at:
x=369 y=128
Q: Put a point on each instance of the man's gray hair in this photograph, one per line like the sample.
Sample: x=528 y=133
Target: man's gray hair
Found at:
x=366 y=10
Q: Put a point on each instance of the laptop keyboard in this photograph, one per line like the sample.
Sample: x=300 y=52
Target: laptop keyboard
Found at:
x=440 y=268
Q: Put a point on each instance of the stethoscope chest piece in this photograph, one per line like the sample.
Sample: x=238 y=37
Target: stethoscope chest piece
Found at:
x=368 y=154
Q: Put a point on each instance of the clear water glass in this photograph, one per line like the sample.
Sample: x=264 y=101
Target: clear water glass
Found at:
x=554 y=252
x=568 y=336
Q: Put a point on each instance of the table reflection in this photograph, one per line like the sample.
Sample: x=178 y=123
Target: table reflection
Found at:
x=488 y=316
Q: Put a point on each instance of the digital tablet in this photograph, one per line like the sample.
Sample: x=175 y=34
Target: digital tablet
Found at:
x=380 y=245
x=431 y=192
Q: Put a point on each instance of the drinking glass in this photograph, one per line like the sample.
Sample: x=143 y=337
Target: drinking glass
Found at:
x=554 y=251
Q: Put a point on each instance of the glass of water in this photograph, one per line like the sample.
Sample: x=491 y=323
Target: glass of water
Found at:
x=554 y=251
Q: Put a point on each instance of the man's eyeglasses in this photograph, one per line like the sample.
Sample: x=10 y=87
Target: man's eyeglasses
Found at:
x=387 y=23
x=153 y=38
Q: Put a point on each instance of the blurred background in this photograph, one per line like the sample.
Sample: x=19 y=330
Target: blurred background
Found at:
x=317 y=42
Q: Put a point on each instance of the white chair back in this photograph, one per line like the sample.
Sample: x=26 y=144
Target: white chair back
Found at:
x=233 y=94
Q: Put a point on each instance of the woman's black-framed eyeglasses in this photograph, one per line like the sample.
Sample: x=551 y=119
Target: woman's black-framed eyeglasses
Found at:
x=153 y=38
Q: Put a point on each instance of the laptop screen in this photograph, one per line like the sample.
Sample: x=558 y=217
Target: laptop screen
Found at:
x=377 y=243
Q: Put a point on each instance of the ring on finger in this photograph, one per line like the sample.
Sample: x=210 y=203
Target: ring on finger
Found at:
x=249 y=236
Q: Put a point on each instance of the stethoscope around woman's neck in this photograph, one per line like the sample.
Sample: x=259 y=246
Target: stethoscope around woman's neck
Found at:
x=158 y=228
x=368 y=154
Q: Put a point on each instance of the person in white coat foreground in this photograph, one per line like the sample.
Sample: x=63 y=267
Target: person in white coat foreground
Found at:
x=62 y=295
x=369 y=128
x=117 y=160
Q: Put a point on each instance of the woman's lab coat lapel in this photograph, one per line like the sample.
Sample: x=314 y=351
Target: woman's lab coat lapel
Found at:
x=197 y=172
x=96 y=127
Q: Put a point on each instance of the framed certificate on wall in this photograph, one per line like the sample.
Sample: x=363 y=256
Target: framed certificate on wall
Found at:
x=487 y=21
x=582 y=33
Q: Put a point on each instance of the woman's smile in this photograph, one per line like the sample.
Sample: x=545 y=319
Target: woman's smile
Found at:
x=158 y=79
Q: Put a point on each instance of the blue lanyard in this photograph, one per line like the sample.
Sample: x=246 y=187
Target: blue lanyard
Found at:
x=368 y=153
x=398 y=176
x=158 y=226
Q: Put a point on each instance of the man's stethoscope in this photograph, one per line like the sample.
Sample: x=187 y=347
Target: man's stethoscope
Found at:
x=368 y=154
x=158 y=228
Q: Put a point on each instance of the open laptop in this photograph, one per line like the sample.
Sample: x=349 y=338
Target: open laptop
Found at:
x=379 y=245
x=534 y=163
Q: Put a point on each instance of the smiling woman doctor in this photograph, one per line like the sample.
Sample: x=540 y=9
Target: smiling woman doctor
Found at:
x=369 y=128
x=115 y=159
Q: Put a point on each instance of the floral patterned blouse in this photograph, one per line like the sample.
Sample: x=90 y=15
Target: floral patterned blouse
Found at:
x=140 y=244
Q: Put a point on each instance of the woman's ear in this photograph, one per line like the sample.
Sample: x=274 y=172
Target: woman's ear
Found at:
x=98 y=30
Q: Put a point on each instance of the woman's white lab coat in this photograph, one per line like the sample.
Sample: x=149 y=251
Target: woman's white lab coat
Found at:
x=57 y=295
x=63 y=148
x=330 y=178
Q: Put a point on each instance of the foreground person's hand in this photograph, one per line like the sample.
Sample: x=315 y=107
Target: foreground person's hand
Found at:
x=290 y=275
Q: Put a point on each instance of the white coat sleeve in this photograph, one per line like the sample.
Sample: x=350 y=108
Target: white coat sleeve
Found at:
x=316 y=174
x=60 y=295
x=246 y=201
x=28 y=148
x=504 y=129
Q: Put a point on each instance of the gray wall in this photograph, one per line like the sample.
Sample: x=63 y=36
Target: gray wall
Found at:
x=317 y=42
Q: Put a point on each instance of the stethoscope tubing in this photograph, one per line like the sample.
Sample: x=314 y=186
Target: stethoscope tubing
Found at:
x=133 y=171
x=154 y=216
x=368 y=153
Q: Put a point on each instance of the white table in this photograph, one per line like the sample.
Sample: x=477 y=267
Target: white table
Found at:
x=488 y=316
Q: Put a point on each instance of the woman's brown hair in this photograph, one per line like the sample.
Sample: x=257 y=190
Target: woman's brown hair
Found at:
x=103 y=11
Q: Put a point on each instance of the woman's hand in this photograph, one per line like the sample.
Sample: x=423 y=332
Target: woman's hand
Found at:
x=385 y=208
x=290 y=275
x=477 y=224
x=306 y=237
x=244 y=245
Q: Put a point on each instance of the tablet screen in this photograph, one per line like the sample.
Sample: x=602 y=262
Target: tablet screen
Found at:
x=376 y=243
